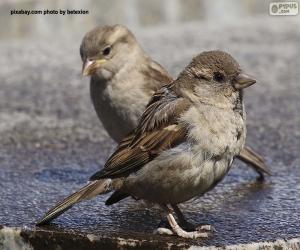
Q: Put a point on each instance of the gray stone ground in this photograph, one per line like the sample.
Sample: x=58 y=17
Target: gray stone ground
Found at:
x=51 y=142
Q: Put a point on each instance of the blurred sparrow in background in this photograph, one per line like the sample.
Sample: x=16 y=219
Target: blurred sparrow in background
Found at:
x=123 y=79
x=184 y=143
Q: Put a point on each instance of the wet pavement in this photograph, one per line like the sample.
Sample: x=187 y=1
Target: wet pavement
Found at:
x=52 y=142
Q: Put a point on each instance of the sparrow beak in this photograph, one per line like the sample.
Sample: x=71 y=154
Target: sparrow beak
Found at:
x=243 y=80
x=90 y=66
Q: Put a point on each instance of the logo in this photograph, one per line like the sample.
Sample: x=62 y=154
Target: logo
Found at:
x=284 y=9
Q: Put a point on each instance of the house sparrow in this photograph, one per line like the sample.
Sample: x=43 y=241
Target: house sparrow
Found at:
x=183 y=145
x=123 y=79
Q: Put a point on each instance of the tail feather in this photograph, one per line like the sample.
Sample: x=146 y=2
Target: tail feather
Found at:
x=256 y=161
x=89 y=191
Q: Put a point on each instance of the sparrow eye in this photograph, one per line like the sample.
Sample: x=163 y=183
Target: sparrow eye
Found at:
x=219 y=77
x=106 y=51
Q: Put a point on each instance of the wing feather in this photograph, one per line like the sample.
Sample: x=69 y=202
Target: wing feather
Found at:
x=159 y=129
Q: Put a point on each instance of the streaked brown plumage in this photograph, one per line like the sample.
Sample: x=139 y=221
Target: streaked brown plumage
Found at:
x=180 y=149
x=124 y=81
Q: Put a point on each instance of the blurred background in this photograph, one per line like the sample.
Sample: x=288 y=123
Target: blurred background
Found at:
x=51 y=140
x=133 y=13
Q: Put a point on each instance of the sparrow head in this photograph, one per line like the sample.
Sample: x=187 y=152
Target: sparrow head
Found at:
x=218 y=71
x=105 y=50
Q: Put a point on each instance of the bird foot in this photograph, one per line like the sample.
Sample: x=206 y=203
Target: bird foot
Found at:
x=190 y=227
x=186 y=225
x=182 y=233
x=208 y=228
x=201 y=232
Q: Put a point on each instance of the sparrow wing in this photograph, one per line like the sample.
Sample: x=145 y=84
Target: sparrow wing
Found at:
x=155 y=76
x=157 y=131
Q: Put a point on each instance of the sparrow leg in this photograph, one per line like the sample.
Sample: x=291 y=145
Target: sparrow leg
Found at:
x=189 y=226
x=176 y=229
x=182 y=233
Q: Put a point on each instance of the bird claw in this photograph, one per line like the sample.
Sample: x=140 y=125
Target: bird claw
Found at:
x=193 y=234
x=203 y=231
x=190 y=227
x=182 y=233
x=209 y=228
x=163 y=231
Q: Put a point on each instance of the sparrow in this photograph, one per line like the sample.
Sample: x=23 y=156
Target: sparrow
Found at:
x=183 y=146
x=123 y=79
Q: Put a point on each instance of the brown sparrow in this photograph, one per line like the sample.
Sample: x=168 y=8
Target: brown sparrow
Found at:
x=184 y=143
x=123 y=79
